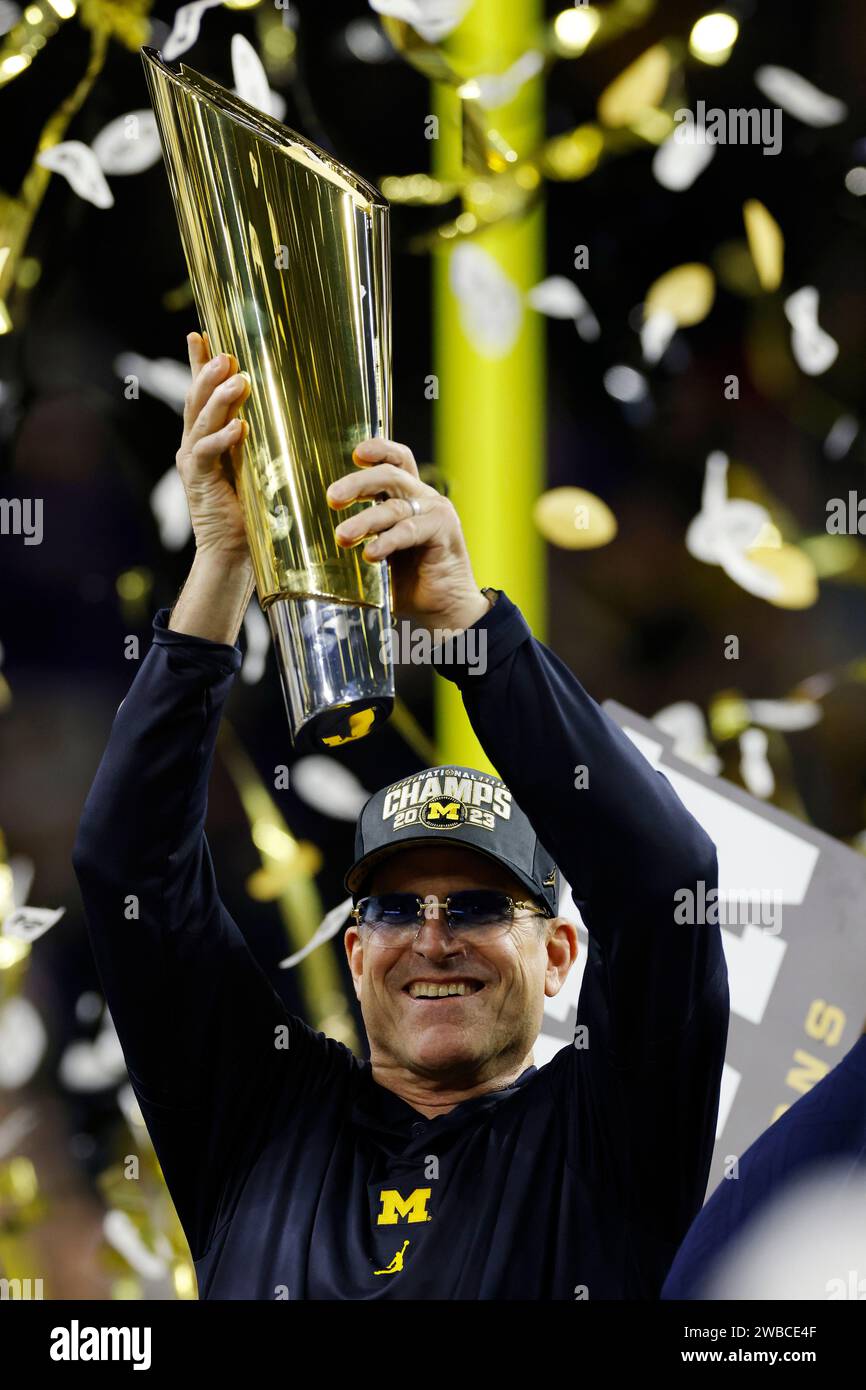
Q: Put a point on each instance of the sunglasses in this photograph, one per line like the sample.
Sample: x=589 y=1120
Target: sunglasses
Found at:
x=477 y=913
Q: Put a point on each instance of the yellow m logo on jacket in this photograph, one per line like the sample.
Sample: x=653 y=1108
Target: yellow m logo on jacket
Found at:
x=397 y=1208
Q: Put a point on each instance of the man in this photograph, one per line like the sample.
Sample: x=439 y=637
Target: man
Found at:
x=448 y=1166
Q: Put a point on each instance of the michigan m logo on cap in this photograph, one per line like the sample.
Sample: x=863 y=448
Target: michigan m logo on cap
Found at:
x=442 y=815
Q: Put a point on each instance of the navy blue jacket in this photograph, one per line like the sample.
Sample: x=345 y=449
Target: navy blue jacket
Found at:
x=827 y=1124
x=294 y=1173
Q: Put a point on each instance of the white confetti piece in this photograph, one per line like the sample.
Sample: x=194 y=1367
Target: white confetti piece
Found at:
x=16 y=1127
x=29 y=923
x=755 y=770
x=22 y=1042
x=841 y=436
x=491 y=310
x=93 y=1066
x=684 y=722
x=129 y=1107
x=163 y=377
x=258 y=644
x=128 y=144
x=625 y=384
x=725 y=528
x=330 y=925
x=432 y=19
x=678 y=162
x=559 y=298
x=656 y=333
x=185 y=29
x=328 y=787
x=251 y=80
x=497 y=89
x=814 y=350
x=786 y=715
x=122 y=1236
x=799 y=97
x=171 y=510
x=77 y=163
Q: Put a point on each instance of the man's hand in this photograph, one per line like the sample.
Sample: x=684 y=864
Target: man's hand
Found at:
x=220 y=583
x=430 y=567
x=207 y=457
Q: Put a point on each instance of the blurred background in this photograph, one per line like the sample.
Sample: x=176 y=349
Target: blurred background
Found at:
x=601 y=334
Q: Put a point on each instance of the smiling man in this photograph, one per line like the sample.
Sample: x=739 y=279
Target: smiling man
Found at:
x=447 y=1166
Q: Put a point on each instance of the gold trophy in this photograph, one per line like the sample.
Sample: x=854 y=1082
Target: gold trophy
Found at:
x=289 y=261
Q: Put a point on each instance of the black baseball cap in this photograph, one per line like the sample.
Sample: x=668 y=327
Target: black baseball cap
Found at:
x=452 y=805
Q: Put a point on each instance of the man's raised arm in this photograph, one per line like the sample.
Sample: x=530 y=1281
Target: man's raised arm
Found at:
x=195 y=1015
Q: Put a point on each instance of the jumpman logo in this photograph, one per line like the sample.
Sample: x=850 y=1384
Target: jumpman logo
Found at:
x=396 y=1264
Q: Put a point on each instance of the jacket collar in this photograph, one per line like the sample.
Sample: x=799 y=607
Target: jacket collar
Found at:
x=377 y=1108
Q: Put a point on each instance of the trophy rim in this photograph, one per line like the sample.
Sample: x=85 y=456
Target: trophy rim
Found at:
x=268 y=127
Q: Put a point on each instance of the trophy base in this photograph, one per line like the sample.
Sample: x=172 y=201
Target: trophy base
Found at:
x=344 y=724
x=335 y=668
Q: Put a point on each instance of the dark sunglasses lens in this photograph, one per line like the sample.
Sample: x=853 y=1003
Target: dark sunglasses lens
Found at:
x=479 y=907
x=389 y=910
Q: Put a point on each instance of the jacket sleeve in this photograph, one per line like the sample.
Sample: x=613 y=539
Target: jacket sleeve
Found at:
x=654 y=999
x=826 y=1124
x=207 y=1041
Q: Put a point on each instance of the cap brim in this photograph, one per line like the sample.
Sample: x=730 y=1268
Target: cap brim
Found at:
x=360 y=871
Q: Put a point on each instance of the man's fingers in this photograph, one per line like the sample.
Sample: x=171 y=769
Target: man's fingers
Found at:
x=199 y=354
x=414 y=530
x=221 y=406
x=206 y=374
x=380 y=477
x=385 y=451
x=372 y=520
x=212 y=446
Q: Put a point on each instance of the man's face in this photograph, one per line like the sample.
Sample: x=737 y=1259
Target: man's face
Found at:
x=460 y=1039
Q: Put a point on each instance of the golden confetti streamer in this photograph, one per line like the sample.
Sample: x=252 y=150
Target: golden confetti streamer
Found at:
x=768 y=538
x=835 y=555
x=183 y=1278
x=270 y=882
x=574 y=154
x=795 y=572
x=574 y=519
x=407 y=726
x=729 y=715
x=639 y=88
x=300 y=905
x=736 y=269
x=686 y=293
x=125 y=22
x=766 y=244
x=514 y=184
x=37 y=25
x=419 y=190
x=19 y=1185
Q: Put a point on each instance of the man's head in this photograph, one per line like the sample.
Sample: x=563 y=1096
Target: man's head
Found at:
x=461 y=1040
x=442 y=832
